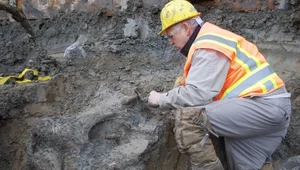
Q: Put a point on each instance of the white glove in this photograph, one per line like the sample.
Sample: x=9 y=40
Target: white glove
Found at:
x=153 y=98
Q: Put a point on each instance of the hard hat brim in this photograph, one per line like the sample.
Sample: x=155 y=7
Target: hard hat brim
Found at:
x=163 y=31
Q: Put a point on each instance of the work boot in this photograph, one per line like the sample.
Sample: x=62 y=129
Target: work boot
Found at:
x=267 y=166
x=193 y=139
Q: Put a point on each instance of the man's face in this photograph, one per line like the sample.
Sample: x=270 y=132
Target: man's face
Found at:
x=178 y=35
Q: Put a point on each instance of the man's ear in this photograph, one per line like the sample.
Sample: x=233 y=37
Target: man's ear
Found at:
x=187 y=28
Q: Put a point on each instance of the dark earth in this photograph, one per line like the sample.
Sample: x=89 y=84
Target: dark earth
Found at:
x=92 y=114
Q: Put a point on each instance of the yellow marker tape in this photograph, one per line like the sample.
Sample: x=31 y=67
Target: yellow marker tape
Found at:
x=20 y=79
x=3 y=79
x=35 y=73
x=46 y=78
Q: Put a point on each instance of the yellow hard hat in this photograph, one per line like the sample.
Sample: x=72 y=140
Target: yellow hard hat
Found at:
x=176 y=11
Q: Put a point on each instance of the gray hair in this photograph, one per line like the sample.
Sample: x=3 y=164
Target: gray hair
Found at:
x=194 y=22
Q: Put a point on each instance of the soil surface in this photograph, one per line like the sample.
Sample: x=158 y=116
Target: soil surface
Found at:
x=92 y=113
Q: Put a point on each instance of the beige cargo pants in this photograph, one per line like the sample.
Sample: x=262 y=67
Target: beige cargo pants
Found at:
x=193 y=139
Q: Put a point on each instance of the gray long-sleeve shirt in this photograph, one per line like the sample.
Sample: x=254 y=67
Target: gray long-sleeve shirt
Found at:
x=205 y=80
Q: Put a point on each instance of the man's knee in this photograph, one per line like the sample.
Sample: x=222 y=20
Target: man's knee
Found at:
x=193 y=139
x=187 y=132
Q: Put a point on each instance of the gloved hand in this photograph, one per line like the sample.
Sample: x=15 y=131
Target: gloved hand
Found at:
x=153 y=98
x=179 y=81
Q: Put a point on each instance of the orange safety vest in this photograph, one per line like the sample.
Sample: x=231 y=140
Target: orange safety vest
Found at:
x=249 y=73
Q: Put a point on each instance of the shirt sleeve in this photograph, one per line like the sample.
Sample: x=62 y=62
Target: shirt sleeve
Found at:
x=205 y=80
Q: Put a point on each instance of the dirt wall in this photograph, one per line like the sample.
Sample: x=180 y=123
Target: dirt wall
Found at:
x=47 y=9
x=90 y=116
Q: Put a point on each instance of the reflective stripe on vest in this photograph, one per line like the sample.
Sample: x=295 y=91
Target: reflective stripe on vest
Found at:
x=259 y=77
x=249 y=73
x=243 y=58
